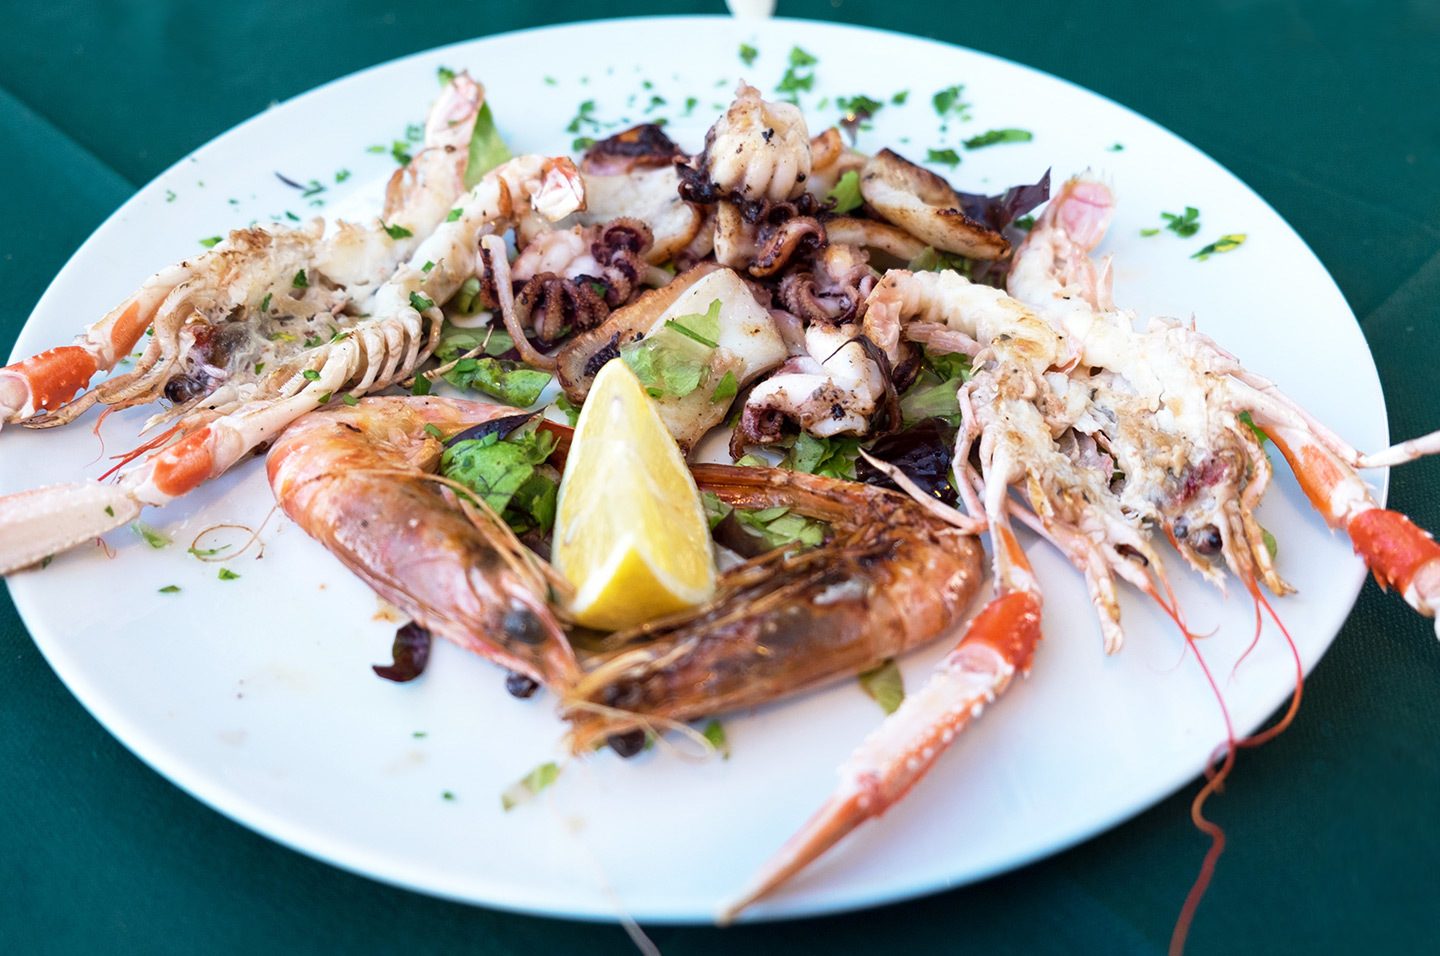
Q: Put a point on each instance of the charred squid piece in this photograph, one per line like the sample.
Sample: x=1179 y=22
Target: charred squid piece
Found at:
x=871 y=234
x=746 y=344
x=927 y=207
x=639 y=147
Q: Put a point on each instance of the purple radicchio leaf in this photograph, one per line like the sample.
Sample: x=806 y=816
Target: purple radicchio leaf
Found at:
x=504 y=426
x=999 y=211
x=922 y=451
x=410 y=653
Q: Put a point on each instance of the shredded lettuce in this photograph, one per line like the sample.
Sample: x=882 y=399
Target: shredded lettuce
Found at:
x=830 y=457
x=934 y=392
x=487 y=149
x=885 y=685
x=506 y=473
x=530 y=785
x=847 y=193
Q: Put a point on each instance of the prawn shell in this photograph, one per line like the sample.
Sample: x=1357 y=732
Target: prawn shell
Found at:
x=890 y=578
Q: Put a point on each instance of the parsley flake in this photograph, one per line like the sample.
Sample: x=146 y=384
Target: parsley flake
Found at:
x=748 y=54
x=397 y=232
x=149 y=535
x=420 y=303
x=212 y=241
x=946 y=156
x=995 y=136
x=227 y=575
x=948 y=102
x=170 y=589
x=1226 y=243
x=300 y=281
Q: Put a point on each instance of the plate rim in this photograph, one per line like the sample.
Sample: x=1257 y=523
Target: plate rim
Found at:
x=354 y=857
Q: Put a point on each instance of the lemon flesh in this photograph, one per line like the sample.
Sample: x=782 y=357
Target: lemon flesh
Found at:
x=630 y=530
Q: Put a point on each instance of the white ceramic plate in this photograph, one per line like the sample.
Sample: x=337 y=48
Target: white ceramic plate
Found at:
x=256 y=696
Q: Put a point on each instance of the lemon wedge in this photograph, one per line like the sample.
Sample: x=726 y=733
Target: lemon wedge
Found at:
x=630 y=530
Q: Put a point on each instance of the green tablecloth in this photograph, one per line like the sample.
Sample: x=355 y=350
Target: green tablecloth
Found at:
x=1327 y=109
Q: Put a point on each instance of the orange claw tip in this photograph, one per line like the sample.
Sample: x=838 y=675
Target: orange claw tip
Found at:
x=999 y=642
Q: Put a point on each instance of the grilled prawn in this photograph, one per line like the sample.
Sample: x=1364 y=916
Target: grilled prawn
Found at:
x=890 y=576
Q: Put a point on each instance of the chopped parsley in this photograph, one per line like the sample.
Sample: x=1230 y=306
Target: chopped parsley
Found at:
x=311 y=375
x=581 y=143
x=528 y=786
x=300 y=281
x=400 y=152
x=584 y=116
x=946 y=156
x=420 y=303
x=569 y=409
x=690 y=104
x=1147 y=233
x=885 y=685
x=149 y=535
x=748 y=54
x=212 y=241
x=170 y=589
x=448 y=795
x=445 y=75
x=265 y=303
x=1117 y=148
x=433 y=430
x=1250 y=423
x=1024 y=223
x=994 y=136
x=454 y=215
x=427 y=266
x=397 y=232
x=846 y=192
x=798 y=77
x=227 y=575
x=948 y=103
x=349 y=399
x=1184 y=224
x=675 y=360
x=1271 y=544
x=510 y=382
x=725 y=389
x=207 y=552
x=1226 y=243
x=714 y=734
x=341 y=175
x=899 y=98
x=858 y=105
x=169 y=195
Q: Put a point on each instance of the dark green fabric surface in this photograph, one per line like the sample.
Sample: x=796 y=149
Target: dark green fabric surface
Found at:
x=1327 y=109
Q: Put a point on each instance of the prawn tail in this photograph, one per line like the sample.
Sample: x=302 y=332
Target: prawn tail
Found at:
x=999 y=642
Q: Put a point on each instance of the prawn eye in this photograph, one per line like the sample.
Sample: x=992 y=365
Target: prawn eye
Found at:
x=1206 y=540
x=521 y=624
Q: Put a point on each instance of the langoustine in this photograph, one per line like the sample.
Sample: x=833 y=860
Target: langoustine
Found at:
x=1095 y=434
x=373 y=350
x=889 y=576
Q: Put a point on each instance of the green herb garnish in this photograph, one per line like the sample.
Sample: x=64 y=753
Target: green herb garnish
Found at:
x=846 y=193
x=529 y=785
x=149 y=535
x=1225 y=243
x=994 y=136
x=725 y=389
x=511 y=382
x=311 y=375
x=715 y=736
x=227 y=575
x=948 y=103
x=748 y=54
x=946 y=156
x=487 y=148
x=1184 y=224
x=170 y=589
x=300 y=281
x=212 y=241
x=420 y=303
x=505 y=473
x=397 y=232
x=830 y=457
x=885 y=685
